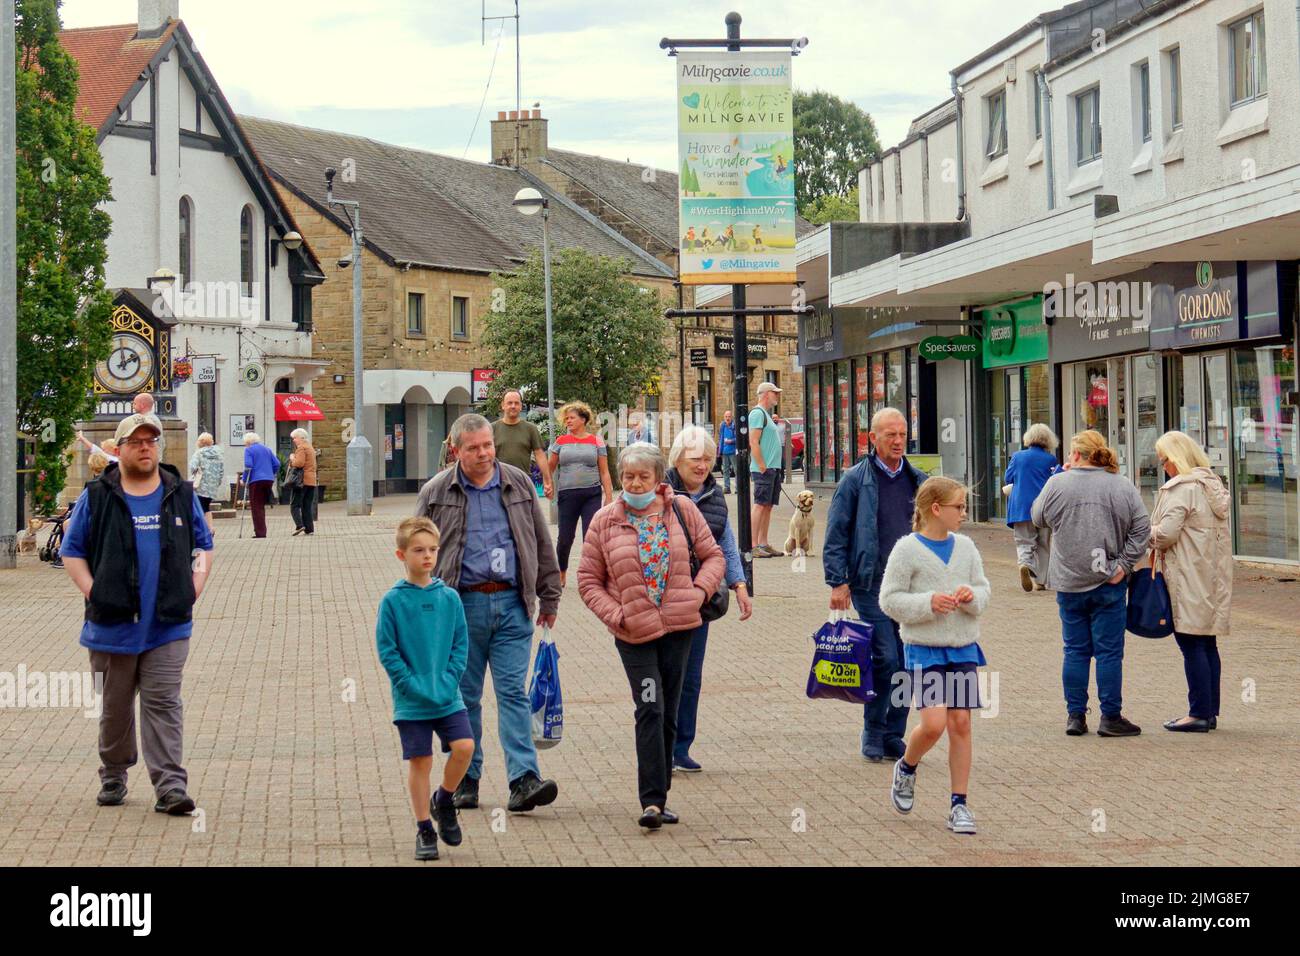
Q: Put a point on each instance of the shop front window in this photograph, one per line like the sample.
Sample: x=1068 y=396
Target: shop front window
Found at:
x=813 y=449
x=1264 y=432
x=1091 y=399
x=862 y=404
x=828 y=422
x=844 y=415
x=913 y=403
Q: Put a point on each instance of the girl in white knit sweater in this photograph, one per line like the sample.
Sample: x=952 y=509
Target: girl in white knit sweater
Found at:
x=935 y=588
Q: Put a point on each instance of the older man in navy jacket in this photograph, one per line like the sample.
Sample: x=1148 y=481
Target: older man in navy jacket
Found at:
x=871 y=510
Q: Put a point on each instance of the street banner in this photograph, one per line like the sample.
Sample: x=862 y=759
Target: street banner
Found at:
x=735 y=140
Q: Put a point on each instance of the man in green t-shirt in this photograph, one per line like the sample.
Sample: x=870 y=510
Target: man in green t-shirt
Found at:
x=518 y=442
x=764 y=466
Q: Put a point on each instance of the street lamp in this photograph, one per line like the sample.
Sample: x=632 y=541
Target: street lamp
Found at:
x=528 y=201
x=360 y=454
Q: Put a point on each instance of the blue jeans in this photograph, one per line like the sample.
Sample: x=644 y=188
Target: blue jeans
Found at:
x=1092 y=625
x=689 y=707
x=884 y=718
x=500 y=636
x=728 y=469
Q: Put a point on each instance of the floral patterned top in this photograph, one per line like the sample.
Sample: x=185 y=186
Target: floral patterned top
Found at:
x=652 y=541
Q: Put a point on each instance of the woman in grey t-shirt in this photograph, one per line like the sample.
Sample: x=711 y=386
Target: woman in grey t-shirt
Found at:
x=580 y=467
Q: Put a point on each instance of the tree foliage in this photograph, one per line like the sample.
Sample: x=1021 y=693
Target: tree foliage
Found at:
x=63 y=304
x=833 y=139
x=833 y=208
x=609 y=333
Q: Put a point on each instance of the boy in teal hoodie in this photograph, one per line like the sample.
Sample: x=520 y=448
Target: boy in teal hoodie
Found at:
x=423 y=644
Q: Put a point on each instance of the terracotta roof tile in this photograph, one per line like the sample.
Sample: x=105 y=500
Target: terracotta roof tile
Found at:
x=110 y=60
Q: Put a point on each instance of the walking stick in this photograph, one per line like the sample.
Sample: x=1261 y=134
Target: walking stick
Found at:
x=245 y=508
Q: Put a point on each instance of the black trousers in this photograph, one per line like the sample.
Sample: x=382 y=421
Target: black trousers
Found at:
x=301 y=505
x=655 y=671
x=1203 y=668
x=574 y=503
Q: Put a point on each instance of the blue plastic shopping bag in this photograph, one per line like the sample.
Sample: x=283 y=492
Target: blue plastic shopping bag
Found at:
x=544 y=694
x=841 y=664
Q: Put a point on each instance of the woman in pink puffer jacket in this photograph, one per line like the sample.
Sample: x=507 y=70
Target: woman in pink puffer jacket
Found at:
x=635 y=575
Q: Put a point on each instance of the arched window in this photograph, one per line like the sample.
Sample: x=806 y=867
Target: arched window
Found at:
x=246 y=251
x=187 y=242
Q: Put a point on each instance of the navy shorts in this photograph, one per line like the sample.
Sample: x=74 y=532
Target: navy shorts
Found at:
x=417 y=735
x=955 y=686
x=767 y=486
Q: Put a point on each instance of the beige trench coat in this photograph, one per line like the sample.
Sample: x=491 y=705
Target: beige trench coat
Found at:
x=1189 y=526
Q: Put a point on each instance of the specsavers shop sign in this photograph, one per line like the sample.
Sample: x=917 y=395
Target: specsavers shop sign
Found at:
x=735 y=140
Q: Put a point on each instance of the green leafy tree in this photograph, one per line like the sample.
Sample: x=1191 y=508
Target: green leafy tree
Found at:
x=833 y=139
x=63 y=305
x=833 y=208
x=609 y=333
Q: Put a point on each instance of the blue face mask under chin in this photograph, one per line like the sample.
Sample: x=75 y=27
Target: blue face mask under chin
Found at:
x=638 y=501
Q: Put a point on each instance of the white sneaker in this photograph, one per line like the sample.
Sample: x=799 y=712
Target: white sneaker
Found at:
x=902 y=792
x=960 y=819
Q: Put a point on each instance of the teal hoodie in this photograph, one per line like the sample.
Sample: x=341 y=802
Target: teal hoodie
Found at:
x=423 y=643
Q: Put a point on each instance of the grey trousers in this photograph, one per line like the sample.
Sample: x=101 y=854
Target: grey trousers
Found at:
x=1033 y=547
x=156 y=676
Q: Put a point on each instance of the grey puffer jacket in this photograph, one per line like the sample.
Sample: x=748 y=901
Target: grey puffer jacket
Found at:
x=1189 y=526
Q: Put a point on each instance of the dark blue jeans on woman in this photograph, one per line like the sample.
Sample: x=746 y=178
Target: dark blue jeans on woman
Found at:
x=574 y=503
x=1092 y=625
x=1202 y=667
x=689 y=708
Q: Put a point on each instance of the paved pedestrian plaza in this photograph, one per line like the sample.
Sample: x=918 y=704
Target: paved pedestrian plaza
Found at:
x=292 y=757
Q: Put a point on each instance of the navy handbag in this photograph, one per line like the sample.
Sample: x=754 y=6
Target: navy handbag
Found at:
x=1150 y=612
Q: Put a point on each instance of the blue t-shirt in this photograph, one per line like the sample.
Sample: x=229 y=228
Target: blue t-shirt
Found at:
x=727 y=435
x=941 y=548
x=135 y=637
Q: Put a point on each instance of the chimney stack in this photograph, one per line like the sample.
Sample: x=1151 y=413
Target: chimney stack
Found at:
x=152 y=16
x=532 y=138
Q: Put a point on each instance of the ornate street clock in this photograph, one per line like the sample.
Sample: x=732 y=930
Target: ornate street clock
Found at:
x=139 y=359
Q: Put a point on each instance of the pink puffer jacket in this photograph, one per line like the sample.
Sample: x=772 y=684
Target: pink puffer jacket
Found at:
x=610 y=580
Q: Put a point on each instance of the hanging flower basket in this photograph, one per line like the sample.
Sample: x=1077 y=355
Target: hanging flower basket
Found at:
x=182 y=369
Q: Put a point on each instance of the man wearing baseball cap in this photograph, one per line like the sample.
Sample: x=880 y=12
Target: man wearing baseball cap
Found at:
x=139 y=551
x=764 y=466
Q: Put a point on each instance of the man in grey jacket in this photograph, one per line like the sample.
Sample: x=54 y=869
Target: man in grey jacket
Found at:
x=497 y=552
x=1099 y=533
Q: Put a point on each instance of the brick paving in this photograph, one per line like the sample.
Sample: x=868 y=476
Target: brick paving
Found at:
x=289 y=767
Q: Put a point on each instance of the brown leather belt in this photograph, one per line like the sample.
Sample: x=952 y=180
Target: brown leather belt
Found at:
x=489 y=587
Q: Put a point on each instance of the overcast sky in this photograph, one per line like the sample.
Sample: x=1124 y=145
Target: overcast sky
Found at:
x=413 y=72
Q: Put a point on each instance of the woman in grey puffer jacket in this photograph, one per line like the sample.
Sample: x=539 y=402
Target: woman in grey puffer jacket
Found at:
x=207 y=468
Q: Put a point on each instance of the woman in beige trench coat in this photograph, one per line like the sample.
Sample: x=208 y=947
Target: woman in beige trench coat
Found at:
x=1189 y=529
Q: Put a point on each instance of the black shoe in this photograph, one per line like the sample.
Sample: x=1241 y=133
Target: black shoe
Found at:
x=668 y=817
x=448 y=826
x=466 y=795
x=426 y=845
x=895 y=747
x=174 y=802
x=1076 y=726
x=651 y=818
x=1117 y=726
x=1199 y=725
x=529 y=791
x=112 y=794
x=1214 y=723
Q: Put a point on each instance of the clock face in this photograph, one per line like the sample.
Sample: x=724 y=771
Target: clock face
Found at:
x=129 y=365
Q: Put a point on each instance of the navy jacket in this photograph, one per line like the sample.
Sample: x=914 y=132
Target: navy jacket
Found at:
x=850 y=553
x=1027 y=472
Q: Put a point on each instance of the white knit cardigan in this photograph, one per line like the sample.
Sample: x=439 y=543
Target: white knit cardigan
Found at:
x=915 y=573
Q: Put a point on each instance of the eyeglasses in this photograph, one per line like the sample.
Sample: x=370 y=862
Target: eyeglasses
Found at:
x=139 y=442
x=960 y=507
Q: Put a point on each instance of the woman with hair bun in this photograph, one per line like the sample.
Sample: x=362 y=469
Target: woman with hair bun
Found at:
x=1100 y=530
x=1026 y=474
